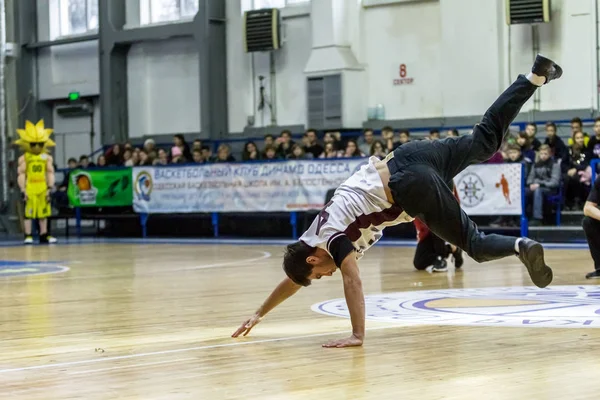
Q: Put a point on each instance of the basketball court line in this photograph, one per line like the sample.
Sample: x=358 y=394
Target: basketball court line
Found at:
x=264 y=256
x=184 y=350
x=248 y=242
x=93 y=371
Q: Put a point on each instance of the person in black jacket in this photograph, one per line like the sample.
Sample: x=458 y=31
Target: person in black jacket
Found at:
x=531 y=131
x=591 y=227
x=594 y=143
x=578 y=161
x=558 y=148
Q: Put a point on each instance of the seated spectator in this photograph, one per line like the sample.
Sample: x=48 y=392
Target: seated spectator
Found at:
x=404 y=137
x=114 y=157
x=145 y=159
x=197 y=157
x=101 y=161
x=269 y=140
x=127 y=146
x=149 y=146
x=71 y=165
x=224 y=154
x=313 y=146
x=387 y=134
x=285 y=144
x=573 y=171
x=558 y=150
x=352 y=149
x=514 y=155
x=207 y=154
x=452 y=133
x=135 y=158
x=378 y=150
x=127 y=161
x=197 y=145
x=366 y=141
x=522 y=140
x=594 y=143
x=84 y=162
x=179 y=142
x=177 y=156
x=270 y=153
x=330 y=151
x=542 y=181
x=531 y=131
x=297 y=153
x=162 y=158
x=153 y=156
x=305 y=141
x=576 y=127
x=59 y=197
x=337 y=135
x=434 y=134
x=329 y=138
x=525 y=143
x=250 y=152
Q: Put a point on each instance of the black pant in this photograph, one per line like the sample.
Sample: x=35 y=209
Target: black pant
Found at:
x=591 y=227
x=574 y=189
x=422 y=173
x=428 y=250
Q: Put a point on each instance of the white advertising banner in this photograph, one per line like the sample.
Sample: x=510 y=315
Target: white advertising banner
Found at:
x=490 y=189
x=293 y=185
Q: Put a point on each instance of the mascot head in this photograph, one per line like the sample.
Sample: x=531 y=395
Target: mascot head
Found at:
x=35 y=138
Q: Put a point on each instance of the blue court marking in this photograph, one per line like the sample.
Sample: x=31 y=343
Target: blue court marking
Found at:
x=246 y=242
x=12 y=268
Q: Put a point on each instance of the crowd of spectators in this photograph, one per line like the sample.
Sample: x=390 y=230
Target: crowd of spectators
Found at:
x=551 y=164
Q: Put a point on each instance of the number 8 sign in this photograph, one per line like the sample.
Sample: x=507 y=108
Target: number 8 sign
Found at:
x=402 y=76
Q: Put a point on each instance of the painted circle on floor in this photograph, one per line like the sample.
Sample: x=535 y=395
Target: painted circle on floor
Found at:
x=11 y=268
x=551 y=307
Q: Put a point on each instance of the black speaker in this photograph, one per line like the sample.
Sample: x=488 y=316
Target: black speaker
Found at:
x=75 y=109
x=527 y=11
x=262 y=30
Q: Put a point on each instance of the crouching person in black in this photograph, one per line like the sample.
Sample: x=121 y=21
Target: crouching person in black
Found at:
x=591 y=227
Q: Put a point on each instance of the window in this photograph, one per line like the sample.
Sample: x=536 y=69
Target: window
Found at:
x=156 y=11
x=258 y=4
x=77 y=16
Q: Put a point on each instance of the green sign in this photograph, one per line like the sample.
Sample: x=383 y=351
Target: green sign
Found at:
x=73 y=96
x=100 y=187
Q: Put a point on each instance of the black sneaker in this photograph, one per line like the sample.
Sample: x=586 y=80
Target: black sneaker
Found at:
x=458 y=258
x=593 y=275
x=546 y=67
x=531 y=253
x=439 y=265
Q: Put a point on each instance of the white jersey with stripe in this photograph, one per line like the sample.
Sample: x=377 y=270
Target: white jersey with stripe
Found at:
x=358 y=210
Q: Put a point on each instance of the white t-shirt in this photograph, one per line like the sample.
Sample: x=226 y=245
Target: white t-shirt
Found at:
x=357 y=214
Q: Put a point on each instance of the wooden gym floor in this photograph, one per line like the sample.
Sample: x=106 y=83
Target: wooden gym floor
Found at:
x=153 y=321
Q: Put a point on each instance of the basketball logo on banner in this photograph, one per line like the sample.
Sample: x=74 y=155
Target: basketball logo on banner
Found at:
x=490 y=189
x=143 y=185
x=470 y=190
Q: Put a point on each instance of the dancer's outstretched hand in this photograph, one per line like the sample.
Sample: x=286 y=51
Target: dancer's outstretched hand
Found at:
x=247 y=326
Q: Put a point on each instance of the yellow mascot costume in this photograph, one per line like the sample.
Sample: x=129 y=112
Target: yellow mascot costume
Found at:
x=36 y=177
